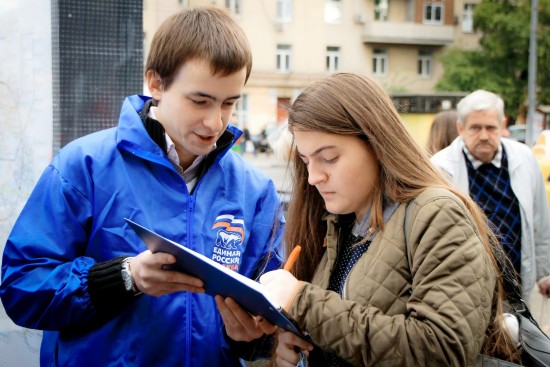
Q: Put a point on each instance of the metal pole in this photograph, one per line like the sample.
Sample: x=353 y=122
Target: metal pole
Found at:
x=532 y=77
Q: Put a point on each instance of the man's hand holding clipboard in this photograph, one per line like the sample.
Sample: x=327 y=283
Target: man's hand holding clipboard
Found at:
x=248 y=297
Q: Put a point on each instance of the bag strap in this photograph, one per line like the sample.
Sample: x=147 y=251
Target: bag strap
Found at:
x=407 y=247
x=406 y=230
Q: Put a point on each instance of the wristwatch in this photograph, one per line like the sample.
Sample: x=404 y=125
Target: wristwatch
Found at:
x=127 y=277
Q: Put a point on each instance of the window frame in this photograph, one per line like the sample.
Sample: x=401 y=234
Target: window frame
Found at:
x=242 y=109
x=425 y=63
x=234 y=7
x=468 y=18
x=336 y=5
x=332 y=58
x=284 y=58
x=283 y=9
x=378 y=15
x=433 y=13
x=380 y=61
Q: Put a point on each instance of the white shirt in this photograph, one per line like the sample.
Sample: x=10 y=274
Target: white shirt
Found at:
x=497 y=161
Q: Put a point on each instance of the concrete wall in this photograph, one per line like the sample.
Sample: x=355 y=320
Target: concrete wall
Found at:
x=25 y=136
x=55 y=86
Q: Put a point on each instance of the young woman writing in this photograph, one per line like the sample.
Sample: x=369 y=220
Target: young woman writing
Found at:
x=369 y=288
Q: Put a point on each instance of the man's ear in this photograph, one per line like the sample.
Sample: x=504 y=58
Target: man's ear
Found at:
x=154 y=83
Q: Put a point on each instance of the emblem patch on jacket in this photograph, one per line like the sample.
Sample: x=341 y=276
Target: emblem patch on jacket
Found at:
x=229 y=239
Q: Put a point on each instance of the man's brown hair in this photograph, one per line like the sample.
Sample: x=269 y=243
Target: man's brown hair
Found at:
x=203 y=33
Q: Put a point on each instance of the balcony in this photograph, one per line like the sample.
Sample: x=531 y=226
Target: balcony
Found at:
x=408 y=33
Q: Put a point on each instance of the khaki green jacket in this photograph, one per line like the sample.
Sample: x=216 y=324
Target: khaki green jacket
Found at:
x=380 y=322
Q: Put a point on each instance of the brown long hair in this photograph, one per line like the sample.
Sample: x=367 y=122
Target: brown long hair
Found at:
x=443 y=131
x=350 y=104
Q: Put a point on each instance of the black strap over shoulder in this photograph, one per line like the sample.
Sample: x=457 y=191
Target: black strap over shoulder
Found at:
x=535 y=343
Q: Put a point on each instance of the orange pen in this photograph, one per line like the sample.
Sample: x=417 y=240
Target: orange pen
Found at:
x=293 y=257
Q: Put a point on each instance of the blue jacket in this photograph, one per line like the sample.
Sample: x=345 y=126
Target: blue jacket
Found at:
x=74 y=218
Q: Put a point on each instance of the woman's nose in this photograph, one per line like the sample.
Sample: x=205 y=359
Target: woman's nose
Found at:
x=315 y=175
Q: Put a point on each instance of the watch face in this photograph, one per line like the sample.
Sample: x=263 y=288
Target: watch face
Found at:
x=127 y=280
x=127 y=276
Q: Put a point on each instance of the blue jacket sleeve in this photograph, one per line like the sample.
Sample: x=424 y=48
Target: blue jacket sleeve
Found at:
x=44 y=270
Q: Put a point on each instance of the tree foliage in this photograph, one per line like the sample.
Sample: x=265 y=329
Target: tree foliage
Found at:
x=500 y=64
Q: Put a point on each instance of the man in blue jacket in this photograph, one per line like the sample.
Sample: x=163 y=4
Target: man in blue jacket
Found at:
x=73 y=268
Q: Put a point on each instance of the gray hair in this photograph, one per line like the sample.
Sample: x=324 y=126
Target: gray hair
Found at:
x=478 y=101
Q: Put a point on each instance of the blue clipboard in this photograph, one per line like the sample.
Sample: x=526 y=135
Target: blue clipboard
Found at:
x=218 y=279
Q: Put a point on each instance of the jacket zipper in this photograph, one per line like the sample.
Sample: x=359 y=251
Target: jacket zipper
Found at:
x=190 y=210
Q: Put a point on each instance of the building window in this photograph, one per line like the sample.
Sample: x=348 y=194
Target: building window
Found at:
x=433 y=13
x=410 y=10
x=284 y=11
x=284 y=53
x=381 y=10
x=468 y=18
x=242 y=111
x=333 y=11
x=379 y=61
x=333 y=58
x=425 y=62
x=234 y=7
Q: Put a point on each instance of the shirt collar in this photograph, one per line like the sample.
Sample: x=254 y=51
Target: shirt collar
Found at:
x=362 y=230
x=476 y=163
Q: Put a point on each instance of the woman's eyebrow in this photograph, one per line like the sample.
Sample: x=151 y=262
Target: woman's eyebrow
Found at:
x=317 y=151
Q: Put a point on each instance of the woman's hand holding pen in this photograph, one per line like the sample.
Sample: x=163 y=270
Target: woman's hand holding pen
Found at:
x=280 y=285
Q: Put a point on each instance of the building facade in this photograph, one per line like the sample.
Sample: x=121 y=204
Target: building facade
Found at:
x=295 y=42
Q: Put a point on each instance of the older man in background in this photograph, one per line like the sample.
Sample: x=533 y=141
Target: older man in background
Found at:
x=504 y=178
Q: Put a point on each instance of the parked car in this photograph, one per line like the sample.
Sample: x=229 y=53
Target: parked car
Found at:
x=517 y=132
